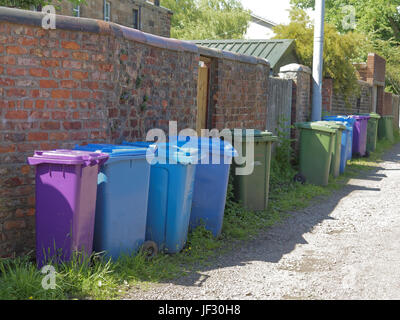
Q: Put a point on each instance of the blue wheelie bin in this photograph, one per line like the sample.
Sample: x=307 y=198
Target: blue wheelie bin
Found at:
x=346 y=144
x=122 y=200
x=170 y=194
x=211 y=181
x=349 y=122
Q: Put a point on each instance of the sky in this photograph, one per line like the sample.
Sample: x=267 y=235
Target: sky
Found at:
x=274 y=10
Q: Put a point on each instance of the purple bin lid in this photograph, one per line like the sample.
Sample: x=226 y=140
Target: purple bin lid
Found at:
x=359 y=117
x=68 y=157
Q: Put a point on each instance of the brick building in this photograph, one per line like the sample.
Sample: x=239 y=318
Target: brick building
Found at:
x=143 y=15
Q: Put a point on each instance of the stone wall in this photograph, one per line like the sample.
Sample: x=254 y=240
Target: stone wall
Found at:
x=301 y=95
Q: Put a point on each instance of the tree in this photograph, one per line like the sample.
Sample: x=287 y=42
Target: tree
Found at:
x=340 y=50
x=390 y=50
x=378 y=17
x=379 y=21
x=207 y=19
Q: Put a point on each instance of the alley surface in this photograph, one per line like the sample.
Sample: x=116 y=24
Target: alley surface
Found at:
x=345 y=247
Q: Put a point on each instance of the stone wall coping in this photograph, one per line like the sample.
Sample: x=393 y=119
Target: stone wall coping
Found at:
x=32 y=18
x=295 y=67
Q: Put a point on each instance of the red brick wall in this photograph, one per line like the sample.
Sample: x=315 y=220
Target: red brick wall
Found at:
x=59 y=88
x=327 y=93
x=239 y=95
x=103 y=83
x=335 y=103
x=376 y=66
x=373 y=71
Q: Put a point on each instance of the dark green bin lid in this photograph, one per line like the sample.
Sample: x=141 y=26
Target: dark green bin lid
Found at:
x=372 y=115
x=334 y=124
x=257 y=134
x=318 y=126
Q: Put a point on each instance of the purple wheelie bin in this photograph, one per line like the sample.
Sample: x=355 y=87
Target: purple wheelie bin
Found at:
x=66 y=187
x=360 y=135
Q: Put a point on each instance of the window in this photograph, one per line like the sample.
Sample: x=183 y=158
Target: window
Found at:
x=136 y=18
x=76 y=11
x=107 y=11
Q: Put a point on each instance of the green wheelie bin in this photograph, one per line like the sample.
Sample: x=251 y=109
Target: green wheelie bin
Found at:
x=385 y=128
x=317 y=141
x=336 y=152
x=252 y=190
x=372 y=130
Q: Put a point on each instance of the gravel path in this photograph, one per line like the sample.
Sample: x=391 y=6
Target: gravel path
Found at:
x=347 y=247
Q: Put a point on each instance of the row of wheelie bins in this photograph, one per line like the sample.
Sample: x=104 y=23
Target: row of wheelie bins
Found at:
x=118 y=199
x=327 y=145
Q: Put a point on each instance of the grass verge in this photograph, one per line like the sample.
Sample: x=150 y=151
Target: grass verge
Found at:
x=98 y=278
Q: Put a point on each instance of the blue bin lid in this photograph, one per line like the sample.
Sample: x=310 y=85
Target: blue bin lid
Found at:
x=161 y=151
x=206 y=145
x=114 y=151
x=341 y=118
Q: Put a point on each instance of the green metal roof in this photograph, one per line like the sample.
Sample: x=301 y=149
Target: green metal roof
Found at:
x=272 y=50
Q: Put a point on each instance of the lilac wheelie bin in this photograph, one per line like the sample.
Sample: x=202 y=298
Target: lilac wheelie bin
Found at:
x=360 y=135
x=66 y=186
x=360 y=124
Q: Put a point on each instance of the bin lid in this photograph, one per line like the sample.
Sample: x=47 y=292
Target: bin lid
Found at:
x=348 y=124
x=360 y=117
x=162 y=152
x=257 y=135
x=372 y=115
x=334 y=124
x=114 y=151
x=68 y=157
x=315 y=126
x=206 y=145
x=342 y=118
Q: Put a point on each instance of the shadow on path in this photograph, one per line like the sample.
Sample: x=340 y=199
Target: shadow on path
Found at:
x=272 y=244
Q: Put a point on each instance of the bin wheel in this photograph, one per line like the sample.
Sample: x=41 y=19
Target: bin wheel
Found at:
x=357 y=155
x=299 y=178
x=367 y=154
x=149 y=249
